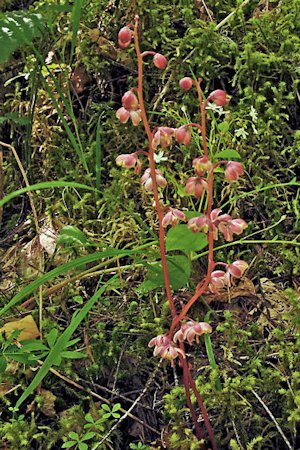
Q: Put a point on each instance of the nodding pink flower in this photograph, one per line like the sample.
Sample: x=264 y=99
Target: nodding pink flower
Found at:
x=218 y=280
x=130 y=101
x=172 y=217
x=237 y=268
x=123 y=115
x=230 y=227
x=191 y=330
x=219 y=97
x=129 y=161
x=163 y=137
x=197 y=224
x=202 y=165
x=186 y=83
x=147 y=182
x=124 y=37
x=183 y=135
x=233 y=171
x=160 y=61
x=196 y=186
x=136 y=117
x=165 y=348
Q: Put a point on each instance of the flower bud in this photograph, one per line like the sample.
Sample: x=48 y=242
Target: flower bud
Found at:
x=130 y=101
x=202 y=165
x=136 y=117
x=199 y=224
x=128 y=160
x=147 y=182
x=124 y=37
x=183 y=135
x=123 y=115
x=160 y=61
x=233 y=171
x=237 y=268
x=219 y=97
x=186 y=83
x=163 y=137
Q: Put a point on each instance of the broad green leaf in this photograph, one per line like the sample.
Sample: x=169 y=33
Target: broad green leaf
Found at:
x=83 y=446
x=223 y=127
x=69 y=444
x=29 y=346
x=182 y=238
x=73 y=435
x=88 y=436
x=228 y=154
x=105 y=407
x=179 y=270
x=52 y=336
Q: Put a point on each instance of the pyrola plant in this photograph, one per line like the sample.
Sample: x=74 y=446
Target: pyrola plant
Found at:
x=183 y=330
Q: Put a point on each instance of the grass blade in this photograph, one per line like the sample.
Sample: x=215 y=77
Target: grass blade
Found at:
x=75 y=21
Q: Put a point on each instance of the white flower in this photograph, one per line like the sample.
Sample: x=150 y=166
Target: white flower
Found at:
x=158 y=157
x=241 y=132
x=253 y=114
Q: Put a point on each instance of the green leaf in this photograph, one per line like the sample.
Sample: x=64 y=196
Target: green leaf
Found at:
x=106 y=415
x=88 y=436
x=72 y=355
x=73 y=435
x=29 y=346
x=228 y=154
x=88 y=417
x=69 y=444
x=116 y=407
x=182 y=238
x=3 y=364
x=223 y=127
x=116 y=415
x=105 y=407
x=71 y=236
x=83 y=446
x=51 y=337
x=179 y=270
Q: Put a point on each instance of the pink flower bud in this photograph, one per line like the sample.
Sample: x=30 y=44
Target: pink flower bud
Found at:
x=230 y=227
x=173 y=217
x=147 y=182
x=183 y=135
x=195 y=186
x=186 y=83
x=237 y=268
x=123 y=115
x=165 y=348
x=219 y=97
x=129 y=161
x=218 y=280
x=130 y=101
x=202 y=165
x=160 y=61
x=233 y=171
x=124 y=37
x=191 y=330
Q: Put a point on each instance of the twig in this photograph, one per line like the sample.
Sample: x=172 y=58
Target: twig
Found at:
x=273 y=419
x=105 y=400
x=231 y=14
x=127 y=413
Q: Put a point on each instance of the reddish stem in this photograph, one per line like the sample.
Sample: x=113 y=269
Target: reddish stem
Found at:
x=203 y=123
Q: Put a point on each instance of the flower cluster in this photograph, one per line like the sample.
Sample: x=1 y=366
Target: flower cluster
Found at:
x=172 y=217
x=130 y=108
x=167 y=348
x=221 y=279
x=215 y=223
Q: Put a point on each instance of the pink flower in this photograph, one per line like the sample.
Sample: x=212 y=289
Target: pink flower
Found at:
x=218 y=280
x=231 y=227
x=130 y=101
x=129 y=161
x=160 y=61
x=147 y=182
x=202 y=165
x=183 y=135
x=123 y=115
x=136 y=117
x=233 y=171
x=191 y=330
x=196 y=186
x=163 y=137
x=172 y=217
x=237 y=268
x=219 y=97
x=186 y=83
x=165 y=348
x=197 y=224
x=124 y=36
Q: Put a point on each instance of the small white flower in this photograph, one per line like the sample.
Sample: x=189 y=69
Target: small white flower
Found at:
x=158 y=157
x=241 y=132
x=253 y=114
